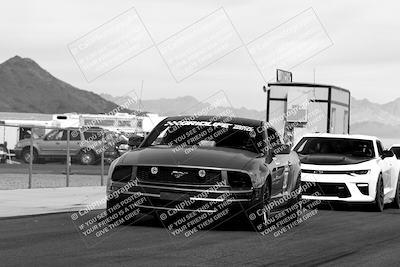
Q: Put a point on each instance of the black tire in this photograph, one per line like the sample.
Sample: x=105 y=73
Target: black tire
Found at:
x=296 y=205
x=3 y=158
x=87 y=157
x=258 y=215
x=379 y=196
x=26 y=154
x=112 y=212
x=396 y=201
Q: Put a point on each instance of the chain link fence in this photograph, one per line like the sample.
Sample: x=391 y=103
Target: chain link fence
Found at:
x=39 y=157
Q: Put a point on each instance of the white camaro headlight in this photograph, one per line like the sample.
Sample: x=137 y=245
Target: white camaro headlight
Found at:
x=360 y=172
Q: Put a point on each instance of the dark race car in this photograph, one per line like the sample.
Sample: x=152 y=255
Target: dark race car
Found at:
x=202 y=167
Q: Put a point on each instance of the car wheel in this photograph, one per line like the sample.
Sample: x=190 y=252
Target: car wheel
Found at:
x=3 y=158
x=87 y=158
x=379 y=197
x=26 y=155
x=258 y=215
x=296 y=206
x=113 y=210
x=396 y=201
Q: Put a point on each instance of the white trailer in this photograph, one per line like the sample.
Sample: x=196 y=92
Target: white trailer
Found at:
x=118 y=122
x=296 y=109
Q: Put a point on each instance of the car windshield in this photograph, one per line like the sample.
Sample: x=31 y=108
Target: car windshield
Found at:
x=342 y=146
x=396 y=151
x=190 y=134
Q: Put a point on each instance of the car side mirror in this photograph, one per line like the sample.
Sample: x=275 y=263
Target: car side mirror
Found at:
x=135 y=141
x=269 y=156
x=387 y=154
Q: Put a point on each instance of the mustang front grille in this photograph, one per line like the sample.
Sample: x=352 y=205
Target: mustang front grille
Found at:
x=178 y=175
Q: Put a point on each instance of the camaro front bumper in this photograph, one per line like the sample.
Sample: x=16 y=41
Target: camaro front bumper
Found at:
x=339 y=187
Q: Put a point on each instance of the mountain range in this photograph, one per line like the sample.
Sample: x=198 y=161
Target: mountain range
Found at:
x=366 y=117
x=27 y=87
x=185 y=105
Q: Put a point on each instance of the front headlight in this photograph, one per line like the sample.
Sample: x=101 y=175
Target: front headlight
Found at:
x=238 y=179
x=360 y=172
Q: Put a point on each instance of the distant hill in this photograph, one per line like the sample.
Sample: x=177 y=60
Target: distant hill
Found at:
x=376 y=129
x=367 y=111
x=185 y=105
x=26 y=87
x=381 y=120
x=393 y=107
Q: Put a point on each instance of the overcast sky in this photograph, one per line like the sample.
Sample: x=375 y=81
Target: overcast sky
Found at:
x=364 y=57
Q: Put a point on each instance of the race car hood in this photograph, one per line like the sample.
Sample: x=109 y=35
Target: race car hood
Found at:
x=225 y=158
x=331 y=159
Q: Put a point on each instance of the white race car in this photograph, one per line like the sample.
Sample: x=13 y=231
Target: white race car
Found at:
x=348 y=168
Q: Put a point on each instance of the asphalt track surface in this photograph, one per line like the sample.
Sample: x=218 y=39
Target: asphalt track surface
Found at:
x=347 y=237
